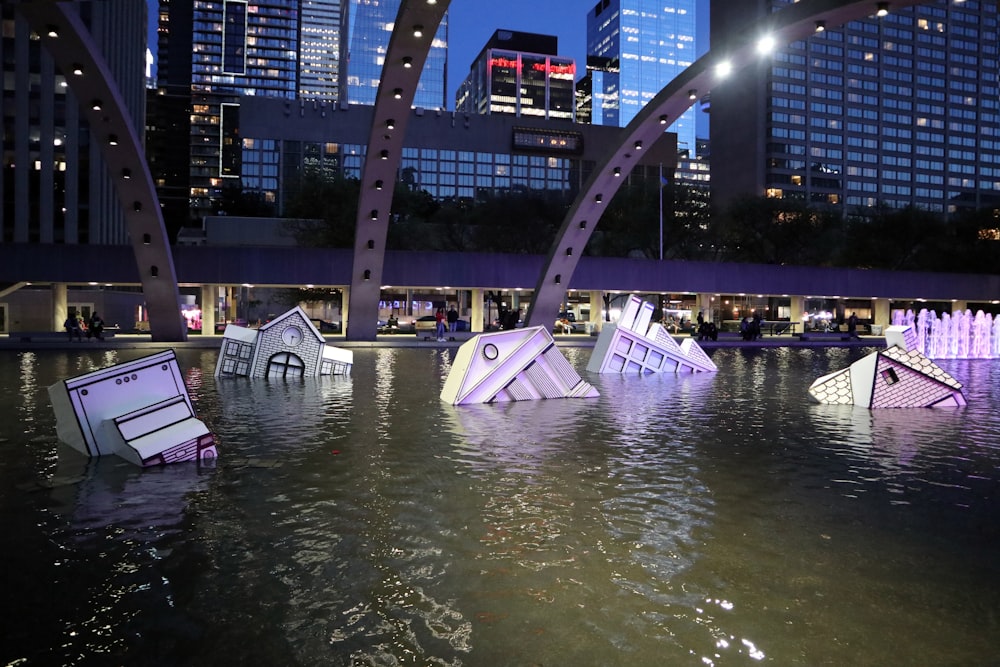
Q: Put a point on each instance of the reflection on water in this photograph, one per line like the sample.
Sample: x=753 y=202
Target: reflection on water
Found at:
x=704 y=519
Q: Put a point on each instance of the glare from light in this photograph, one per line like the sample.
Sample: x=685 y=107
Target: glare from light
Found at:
x=724 y=69
x=766 y=44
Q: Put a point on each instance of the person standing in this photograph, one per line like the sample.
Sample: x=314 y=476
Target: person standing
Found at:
x=96 y=327
x=452 y=319
x=852 y=327
x=439 y=317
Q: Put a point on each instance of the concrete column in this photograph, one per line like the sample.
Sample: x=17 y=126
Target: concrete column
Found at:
x=59 y=307
x=596 y=306
x=476 y=311
x=345 y=303
x=706 y=304
x=230 y=303
x=797 y=306
x=881 y=314
x=209 y=302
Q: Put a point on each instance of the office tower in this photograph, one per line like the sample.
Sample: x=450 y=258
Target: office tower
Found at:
x=56 y=187
x=521 y=74
x=211 y=54
x=885 y=112
x=370 y=24
x=323 y=51
x=634 y=48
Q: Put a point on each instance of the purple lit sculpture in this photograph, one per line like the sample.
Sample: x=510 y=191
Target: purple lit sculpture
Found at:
x=139 y=410
x=633 y=345
x=287 y=346
x=516 y=365
x=897 y=377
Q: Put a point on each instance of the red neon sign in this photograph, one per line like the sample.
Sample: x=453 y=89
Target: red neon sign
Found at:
x=568 y=68
x=554 y=69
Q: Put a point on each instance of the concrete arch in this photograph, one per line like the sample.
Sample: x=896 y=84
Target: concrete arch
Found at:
x=416 y=24
x=68 y=41
x=792 y=23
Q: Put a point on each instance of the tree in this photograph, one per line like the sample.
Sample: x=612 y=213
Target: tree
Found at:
x=323 y=211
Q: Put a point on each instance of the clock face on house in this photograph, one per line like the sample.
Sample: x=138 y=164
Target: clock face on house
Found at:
x=291 y=336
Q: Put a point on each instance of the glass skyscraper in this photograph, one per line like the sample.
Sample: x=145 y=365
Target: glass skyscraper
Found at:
x=370 y=24
x=322 y=50
x=892 y=112
x=634 y=48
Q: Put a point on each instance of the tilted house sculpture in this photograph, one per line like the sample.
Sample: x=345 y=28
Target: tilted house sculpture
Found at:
x=896 y=377
x=287 y=346
x=139 y=410
x=515 y=365
x=633 y=345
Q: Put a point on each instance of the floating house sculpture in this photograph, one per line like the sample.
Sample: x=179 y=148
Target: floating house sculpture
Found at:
x=139 y=410
x=515 y=365
x=633 y=345
x=890 y=378
x=287 y=346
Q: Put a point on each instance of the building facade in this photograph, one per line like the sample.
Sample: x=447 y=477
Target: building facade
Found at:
x=56 y=187
x=520 y=74
x=891 y=112
x=323 y=51
x=634 y=49
x=450 y=155
x=369 y=26
x=211 y=53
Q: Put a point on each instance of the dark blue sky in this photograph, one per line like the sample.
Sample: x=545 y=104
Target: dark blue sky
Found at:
x=471 y=23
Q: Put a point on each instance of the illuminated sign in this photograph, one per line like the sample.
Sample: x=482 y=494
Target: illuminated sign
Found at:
x=564 y=69
x=547 y=141
x=552 y=68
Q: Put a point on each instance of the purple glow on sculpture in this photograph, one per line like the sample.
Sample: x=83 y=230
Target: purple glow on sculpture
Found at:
x=139 y=410
x=896 y=377
x=633 y=345
x=287 y=346
x=516 y=365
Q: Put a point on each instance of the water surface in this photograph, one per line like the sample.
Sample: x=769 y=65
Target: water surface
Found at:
x=685 y=520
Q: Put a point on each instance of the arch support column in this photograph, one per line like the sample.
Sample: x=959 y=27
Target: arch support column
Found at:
x=59 y=305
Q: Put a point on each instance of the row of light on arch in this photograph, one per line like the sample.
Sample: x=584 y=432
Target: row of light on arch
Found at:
x=390 y=124
x=52 y=31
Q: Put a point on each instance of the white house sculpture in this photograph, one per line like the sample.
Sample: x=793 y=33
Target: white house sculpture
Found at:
x=139 y=410
x=891 y=378
x=633 y=345
x=515 y=365
x=287 y=346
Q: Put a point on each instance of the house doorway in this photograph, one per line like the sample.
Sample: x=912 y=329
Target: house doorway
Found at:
x=285 y=365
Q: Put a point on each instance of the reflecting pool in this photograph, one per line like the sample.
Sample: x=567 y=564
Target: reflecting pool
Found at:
x=714 y=519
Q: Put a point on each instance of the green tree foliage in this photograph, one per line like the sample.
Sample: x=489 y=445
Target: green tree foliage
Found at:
x=236 y=201
x=910 y=239
x=323 y=211
x=517 y=222
x=750 y=229
x=776 y=231
x=630 y=225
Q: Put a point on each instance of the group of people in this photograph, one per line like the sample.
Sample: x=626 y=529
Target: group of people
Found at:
x=750 y=327
x=446 y=321
x=76 y=326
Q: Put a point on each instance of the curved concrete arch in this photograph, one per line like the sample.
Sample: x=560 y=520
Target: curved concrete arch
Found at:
x=404 y=62
x=792 y=23
x=73 y=50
